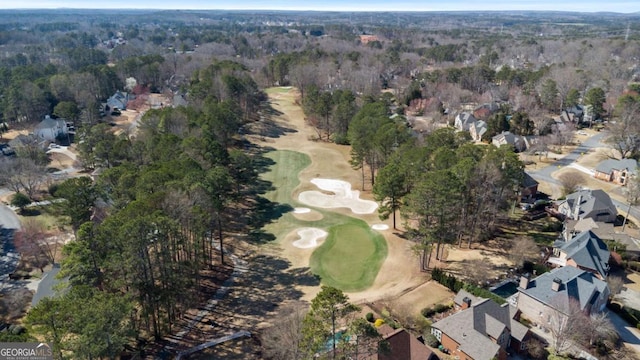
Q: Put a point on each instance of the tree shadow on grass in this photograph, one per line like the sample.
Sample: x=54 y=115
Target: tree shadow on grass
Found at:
x=258 y=293
x=30 y=212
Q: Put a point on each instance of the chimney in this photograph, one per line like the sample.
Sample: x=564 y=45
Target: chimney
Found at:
x=576 y=208
x=555 y=285
x=524 y=281
x=466 y=303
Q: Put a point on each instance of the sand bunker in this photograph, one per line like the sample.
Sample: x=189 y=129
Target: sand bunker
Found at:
x=309 y=237
x=342 y=197
x=380 y=227
x=301 y=210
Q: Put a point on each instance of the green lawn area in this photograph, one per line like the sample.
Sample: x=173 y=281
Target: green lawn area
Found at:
x=278 y=89
x=352 y=254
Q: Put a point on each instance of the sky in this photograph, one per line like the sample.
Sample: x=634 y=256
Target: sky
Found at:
x=622 y=6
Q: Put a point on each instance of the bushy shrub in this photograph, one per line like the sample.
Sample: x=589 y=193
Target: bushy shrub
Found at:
x=369 y=317
x=455 y=285
x=431 y=341
x=378 y=323
x=428 y=312
x=52 y=189
x=440 y=308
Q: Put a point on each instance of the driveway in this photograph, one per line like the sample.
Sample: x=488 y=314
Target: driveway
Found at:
x=46 y=285
x=628 y=334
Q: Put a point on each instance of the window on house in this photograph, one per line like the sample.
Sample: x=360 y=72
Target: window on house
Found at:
x=523 y=345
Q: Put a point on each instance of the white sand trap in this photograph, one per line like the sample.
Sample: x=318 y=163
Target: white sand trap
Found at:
x=309 y=237
x=342 y=197
x=301 y=210
x=380 y=227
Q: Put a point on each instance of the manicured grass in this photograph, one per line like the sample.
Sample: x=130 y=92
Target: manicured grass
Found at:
x=276 y=90
x=284 y=174
x=351 y=256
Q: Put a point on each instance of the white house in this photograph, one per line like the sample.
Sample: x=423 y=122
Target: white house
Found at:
x=49 y=129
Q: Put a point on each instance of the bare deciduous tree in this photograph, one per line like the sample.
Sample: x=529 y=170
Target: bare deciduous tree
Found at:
x=31 y=242
x=571 y=181
x=566 y=322
x=623 y=134
x=283 y=340
x=616 y=283
x=523 y=248
x=22 y=175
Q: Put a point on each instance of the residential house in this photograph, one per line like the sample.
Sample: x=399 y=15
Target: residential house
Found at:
x=528 y=187
x=616 y=171
x=482 y=331
x=604 y=231
x=463 y=121
x=507 y=138
x=118 y=101
x=402 y=346
x=50 y=129
x=594 y=204
x=577 y=111
x=477 y=130
x=485 y=110
x=365 y=39
x=585 y=251
x=553 y=292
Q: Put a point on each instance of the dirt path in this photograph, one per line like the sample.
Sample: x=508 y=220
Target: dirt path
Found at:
x=400 y=270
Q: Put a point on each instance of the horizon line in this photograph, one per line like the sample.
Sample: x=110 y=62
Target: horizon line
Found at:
x=325 y=10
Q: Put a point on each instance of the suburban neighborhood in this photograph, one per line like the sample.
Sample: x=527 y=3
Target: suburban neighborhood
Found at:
x=288 y=185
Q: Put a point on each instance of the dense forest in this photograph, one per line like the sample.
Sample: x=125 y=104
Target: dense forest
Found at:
x=152 y=231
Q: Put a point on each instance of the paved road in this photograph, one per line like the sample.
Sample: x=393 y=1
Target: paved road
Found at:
x=8 y=218
x=9 y=257
x=585 y=147
x=588 y=145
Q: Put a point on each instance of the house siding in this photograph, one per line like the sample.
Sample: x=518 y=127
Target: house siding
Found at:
x=449 y=344
x=531 y=308
x=602 y=176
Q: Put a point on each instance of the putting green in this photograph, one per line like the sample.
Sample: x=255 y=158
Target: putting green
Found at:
x=351 y=256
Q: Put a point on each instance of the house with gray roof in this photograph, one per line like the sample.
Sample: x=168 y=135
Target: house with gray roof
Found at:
x=585 y=251
x=604 y=231
x=463 y=121
x=553 y=292
x=477 y=130
x=583 y=204
x=483 y=331
x=118 y=101
x=507 y=138
x=616 y=171
x=50 y=129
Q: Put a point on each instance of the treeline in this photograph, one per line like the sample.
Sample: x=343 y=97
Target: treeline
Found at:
x=150 y=233
x=448 y=189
